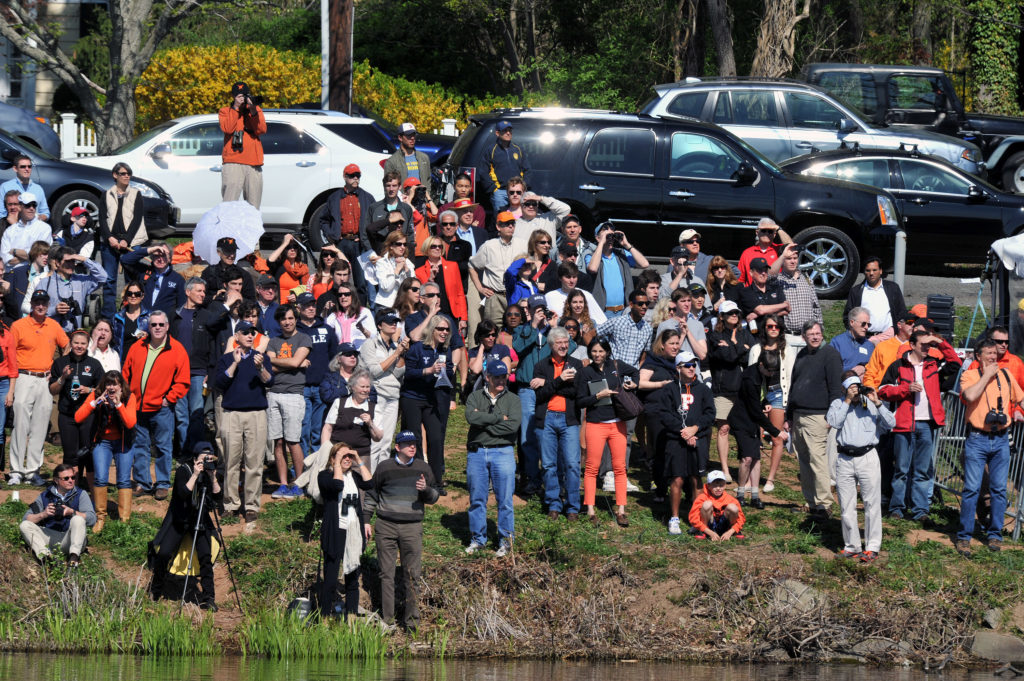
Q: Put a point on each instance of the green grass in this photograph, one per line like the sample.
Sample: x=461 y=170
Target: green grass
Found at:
x=128 y=541
x=277 y=635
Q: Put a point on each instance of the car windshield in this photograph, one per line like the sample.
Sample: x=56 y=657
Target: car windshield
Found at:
x=142 y=139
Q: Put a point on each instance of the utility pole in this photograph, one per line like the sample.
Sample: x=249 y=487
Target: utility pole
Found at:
x=337 y=20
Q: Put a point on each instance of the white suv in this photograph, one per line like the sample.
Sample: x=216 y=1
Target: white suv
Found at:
x=304 y=152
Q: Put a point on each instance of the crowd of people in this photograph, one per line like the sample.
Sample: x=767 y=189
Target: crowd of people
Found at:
x=572 y=371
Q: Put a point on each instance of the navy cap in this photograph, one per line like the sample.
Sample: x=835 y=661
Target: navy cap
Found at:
x=758 y=265
x=678 y=252
x=201 y=447
x=497 y=368
x=227 y=244
x=502 y=125
x=386 y=316
x=537 y=301
x=266 y=281
x=347 y=349
x=405 y=437
x=305 y=299
x=40 y=294
x=244 y=325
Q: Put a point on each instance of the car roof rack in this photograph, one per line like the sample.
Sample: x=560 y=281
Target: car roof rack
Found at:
x=855 y=145
x=752 y=80
x=913 y=148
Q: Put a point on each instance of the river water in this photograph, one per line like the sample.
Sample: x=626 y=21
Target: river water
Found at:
x=23 y=667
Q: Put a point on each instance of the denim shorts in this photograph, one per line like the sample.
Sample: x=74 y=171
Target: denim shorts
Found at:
x=774 y=398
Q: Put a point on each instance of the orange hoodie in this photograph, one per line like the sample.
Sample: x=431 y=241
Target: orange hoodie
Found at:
x=719 y=505
x=252 y=149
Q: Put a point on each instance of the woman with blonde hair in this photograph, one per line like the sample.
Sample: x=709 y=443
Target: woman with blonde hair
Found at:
x=445 y=273
x=390 y=269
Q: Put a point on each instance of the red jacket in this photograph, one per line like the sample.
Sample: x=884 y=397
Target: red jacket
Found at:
x=895 y=388
x=169 y=377
x=452 y=286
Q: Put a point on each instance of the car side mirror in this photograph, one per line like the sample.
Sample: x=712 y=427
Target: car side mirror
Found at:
x=9 y=155
x=745 y=174
x=976 y=193
x=847 y=125
x=160 y=150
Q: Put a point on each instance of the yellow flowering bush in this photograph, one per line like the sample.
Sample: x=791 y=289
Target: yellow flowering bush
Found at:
x=192 y=80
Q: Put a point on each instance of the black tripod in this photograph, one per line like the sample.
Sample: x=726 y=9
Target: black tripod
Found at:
x=217 y=534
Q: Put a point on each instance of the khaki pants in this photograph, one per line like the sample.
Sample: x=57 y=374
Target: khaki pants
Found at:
x=473 y=310
x=33 y=404
x=41 y=541
x=494 y=308
x=386 y=417
x=394 y=539
x=245 y=438
x=812 y=452
x=240 y=180
x=849 y=472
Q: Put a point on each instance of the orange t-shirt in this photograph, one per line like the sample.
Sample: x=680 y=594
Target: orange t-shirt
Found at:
x=1005 y=387
x=557 y=402
x=35 y=343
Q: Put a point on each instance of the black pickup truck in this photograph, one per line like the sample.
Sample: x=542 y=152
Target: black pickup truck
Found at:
x=925 y=97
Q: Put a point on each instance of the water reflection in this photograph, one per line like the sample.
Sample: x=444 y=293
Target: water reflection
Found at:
x=22 y=667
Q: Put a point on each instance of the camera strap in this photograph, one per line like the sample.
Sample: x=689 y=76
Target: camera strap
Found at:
x=999 y=390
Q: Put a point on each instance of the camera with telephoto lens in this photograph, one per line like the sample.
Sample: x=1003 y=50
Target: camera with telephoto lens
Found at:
x=863 y=391
x=58 y=508
x=994 y=420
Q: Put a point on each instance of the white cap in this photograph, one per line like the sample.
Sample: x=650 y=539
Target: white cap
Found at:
x=728 y=306
x=685 y=357
x=27 y=197
x=716 y=475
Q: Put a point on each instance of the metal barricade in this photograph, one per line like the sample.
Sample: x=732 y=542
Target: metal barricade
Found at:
x=948 y=458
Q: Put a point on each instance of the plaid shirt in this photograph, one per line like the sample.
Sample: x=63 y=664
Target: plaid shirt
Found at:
x=628 y=339
x=803 y=301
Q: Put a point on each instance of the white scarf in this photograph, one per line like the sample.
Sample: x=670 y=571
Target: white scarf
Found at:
x=350 y=523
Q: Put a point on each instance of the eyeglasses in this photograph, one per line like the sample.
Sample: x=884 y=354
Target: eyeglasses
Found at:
x=531 y=204
x=133 y=294
x=506 y=130
x=641 y=303
x=431 y=295
x=435 y=247
x=403 y=244
x=514 y=193
x=862 y=323
x=771 y=326
x=449 y=224
x=692 y=241
x=543 y=243
x=24 y=166
x=248 y=332
x=766 y=231
x=123 y=173
x=65 y=477
x=355 y=175
x=442 y=328
x=157 y=325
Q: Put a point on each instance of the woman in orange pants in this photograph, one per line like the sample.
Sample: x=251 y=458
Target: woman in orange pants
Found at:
x=602 y=426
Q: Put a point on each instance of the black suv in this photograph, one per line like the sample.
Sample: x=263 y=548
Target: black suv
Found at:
x=656 y=176
x=924 y=97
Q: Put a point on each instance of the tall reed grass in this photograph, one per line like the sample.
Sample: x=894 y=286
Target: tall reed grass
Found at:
x=283 y=636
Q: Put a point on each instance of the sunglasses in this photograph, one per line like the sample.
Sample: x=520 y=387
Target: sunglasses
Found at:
x=443 y=328
x=771 y=326
x=543 y=243
x=408 y=134
x=571 y=327
x=23 y=166
x=64 y=477
x=133 y=294
x=1005 y=341
x=416 y=290
x=248 y=332
x=492 y=334
x=531 y=204
x=688 y=365
x=732 y=312
x=692 y=241
x=396 y=224
x=449 y=224
x=435 y=247
x=350 y=354
x=342 y=294
x=356 y=175
x=862 y=323
x=431 y=295
x=719 y=267
x=403 y=244
x=157 y=325
x=641 y=303
x=123 y=173
x=30 y=205
x=514 y=193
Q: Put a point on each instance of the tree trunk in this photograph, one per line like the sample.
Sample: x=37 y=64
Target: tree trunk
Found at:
x=530 y=34
x=776 y=39
x=683 y=36
x=721 y=29
x=921 y=33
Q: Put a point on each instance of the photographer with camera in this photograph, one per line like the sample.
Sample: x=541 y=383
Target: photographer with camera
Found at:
x=188 y=517
x=69 y=291
x=799 y=292
x=424 y=211
x=860 y=419
x=612 y=278
x=59 y=517
x=912 y=384
x=769 y=241
x=242 y=123
x=990 y=395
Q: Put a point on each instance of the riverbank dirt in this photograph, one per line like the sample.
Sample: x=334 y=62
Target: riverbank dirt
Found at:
x=570 y=590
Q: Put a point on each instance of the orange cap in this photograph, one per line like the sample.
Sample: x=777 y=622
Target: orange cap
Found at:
x=506 y=216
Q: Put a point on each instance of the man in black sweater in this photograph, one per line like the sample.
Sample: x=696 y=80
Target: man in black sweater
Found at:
x=401 y=486
x=817 y=380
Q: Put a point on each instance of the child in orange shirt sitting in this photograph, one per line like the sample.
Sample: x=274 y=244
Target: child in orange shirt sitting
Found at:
x=715 y=513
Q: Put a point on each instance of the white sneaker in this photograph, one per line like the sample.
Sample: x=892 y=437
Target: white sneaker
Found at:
x=630 y=487
x=14 y=479
x=503 y=548
x=473 y=548
x=609 y=482
x=673 y=526
x=769 y=486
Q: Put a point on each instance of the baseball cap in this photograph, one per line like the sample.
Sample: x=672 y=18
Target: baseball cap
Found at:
x=919 y=310
x=405 y=437
x=728 y=306
x=201 y=447
x=602 y=227
x=75 y=212
x=688 y=234
x=506 y=216
x=406 y=128
x=27 y=198
x=568 y=250
x=537 y=301
x=685 y=357
x=570 y=218
x=239 y=88
x=347 y=349
x=266 y=281
x=386 y=316
x=697 y=289
x=244 y=325
x=502 y=126
x=715 y=476
x=497 y=368
x=758 y=265
x=40 y=294
x=677 y=252
x=351 y=168
x=305 y=299
x=411 y=182
x=227 y=244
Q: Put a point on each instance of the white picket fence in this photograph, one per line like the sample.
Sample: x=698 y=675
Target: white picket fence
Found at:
x=77 y=139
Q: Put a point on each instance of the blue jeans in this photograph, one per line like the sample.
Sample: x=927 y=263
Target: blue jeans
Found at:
x=111 y=262
x=153 y=427
x=529 y=447
x=103 y=453
x=188 y=415
x=499 y=200
x=313 y=419
x=487 y=467
x=912 y=468
x=560 y=458
x=980 y=450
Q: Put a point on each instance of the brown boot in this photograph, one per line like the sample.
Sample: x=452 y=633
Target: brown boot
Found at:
x=99 y=500
x=124 y=504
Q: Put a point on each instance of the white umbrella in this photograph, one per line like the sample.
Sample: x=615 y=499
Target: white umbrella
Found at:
x=239 y=220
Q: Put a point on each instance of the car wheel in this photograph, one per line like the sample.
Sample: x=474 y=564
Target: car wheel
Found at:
x=1013 y=173
x=65 y=203
x=316 y=235
x=830 y=259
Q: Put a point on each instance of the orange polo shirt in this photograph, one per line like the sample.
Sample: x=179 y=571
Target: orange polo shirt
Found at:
x=35 y=343
x=557 y=402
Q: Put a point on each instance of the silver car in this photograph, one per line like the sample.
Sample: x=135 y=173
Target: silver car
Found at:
x=783 y=120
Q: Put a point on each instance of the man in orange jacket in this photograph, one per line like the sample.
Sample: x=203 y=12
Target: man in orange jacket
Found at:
x=157 y=372
x=242 y=123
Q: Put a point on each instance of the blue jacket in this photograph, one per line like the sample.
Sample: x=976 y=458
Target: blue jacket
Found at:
x=325 y=347
x=172 y=285
x=244 y=391
x=531 y=346
x=77 y=499
x=267 y=322
x=420 y=386
x=118 y=341
x=852 y=352
x=498 y=165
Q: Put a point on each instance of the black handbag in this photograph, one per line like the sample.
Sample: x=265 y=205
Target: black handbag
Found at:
x=627 y=406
